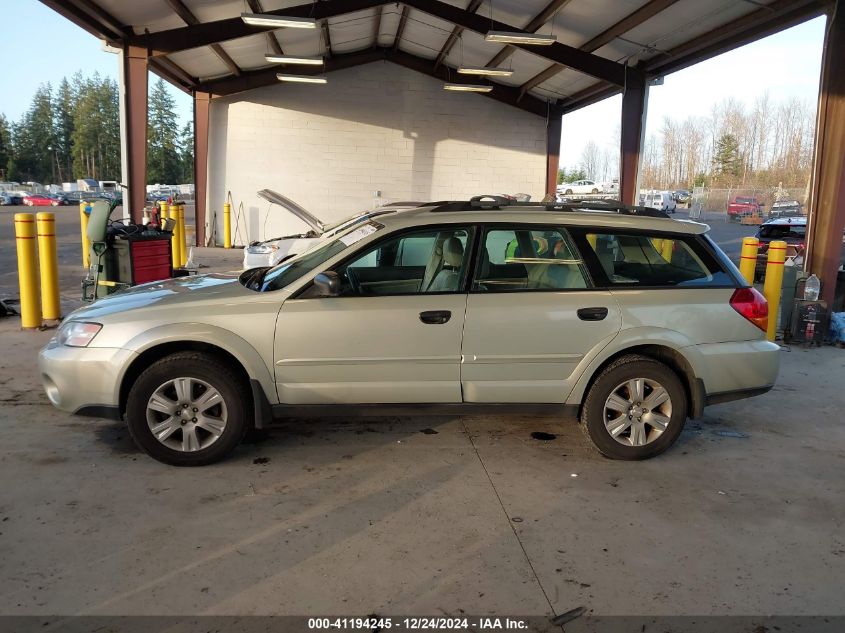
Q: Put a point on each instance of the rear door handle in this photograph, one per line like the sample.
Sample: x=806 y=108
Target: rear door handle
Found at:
x=592 y=314
x=435 y=317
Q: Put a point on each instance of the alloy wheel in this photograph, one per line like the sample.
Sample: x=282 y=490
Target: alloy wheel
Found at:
x=186 y=414
x=637 y=411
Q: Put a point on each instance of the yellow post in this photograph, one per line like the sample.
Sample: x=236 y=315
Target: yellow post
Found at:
x=83 y=228
x=183 y=249
x=27 y=270
x=227 y=225
x=48 y=263
x=748 y=258
x=592 y=238
x=773 y=282
x=666 y=249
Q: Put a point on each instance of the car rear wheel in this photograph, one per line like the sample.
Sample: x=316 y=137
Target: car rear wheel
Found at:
x=635 y=409
x=568 y=192
x=594 y=191
x=187 y=409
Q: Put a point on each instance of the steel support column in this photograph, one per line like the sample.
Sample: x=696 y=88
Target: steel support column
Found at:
x=827 y=204
x=202 y=105
x=133 y=108
x=634 y=102
x=553 y=131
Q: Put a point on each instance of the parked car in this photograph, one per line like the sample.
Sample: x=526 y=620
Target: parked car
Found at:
x=661 y=200
x=682 y=196
x=8 y=198
x=578 y=187
x=739 y=207
x=44 y=200
x=271 y=252
x=792 y=230
x=407 y=309
x=785 y=209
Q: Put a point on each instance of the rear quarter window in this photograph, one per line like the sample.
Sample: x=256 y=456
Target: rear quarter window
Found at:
x=649 y=260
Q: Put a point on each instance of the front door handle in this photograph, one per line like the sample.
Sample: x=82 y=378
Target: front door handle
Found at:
x=592 y=314
x=435 y=317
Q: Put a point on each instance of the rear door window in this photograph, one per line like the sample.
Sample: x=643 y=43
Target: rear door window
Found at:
x=783 y=231
x=653 y=260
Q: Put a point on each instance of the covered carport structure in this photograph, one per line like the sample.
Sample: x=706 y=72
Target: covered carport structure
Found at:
x=602 y=48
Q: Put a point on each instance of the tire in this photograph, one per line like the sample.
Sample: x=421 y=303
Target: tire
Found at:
x=568 y=192
x=207 y=440
x=596 y=416
x=594 y=191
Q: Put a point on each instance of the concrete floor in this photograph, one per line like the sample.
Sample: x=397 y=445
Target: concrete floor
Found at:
x=744 y=515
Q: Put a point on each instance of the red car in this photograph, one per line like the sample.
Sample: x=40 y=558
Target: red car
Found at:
x=741 y=206
x=43 y=200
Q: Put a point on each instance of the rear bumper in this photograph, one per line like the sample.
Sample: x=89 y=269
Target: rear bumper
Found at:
x=731 y=371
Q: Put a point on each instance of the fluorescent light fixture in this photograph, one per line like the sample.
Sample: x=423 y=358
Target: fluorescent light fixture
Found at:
x=510 y=37
x=467 y=87
x=303 y=79
x=278 y=21
x=484 y=71
x=294 y=59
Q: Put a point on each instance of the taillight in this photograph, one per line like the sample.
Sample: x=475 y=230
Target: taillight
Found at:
x=752 y=305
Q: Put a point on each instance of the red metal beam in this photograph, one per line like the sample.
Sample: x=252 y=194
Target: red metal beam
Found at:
x=472 y=7
x=633 y=126
x=202 y=107
x=135 y=108
x=553 y=131
x=204 y=34
x=827 y=204
x=190 y=19
x=533 y=26
x=629 y=22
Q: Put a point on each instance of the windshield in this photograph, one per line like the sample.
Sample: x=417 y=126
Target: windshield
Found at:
x=292 y=269
x=780 y=231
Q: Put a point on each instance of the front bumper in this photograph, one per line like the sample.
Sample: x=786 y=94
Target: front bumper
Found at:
x=83 y=380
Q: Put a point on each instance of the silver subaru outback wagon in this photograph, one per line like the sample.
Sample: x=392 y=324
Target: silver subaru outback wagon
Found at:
x=627 y=319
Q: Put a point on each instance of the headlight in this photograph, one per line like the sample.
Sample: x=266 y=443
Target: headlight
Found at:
x=77 y=333
x=262 y=249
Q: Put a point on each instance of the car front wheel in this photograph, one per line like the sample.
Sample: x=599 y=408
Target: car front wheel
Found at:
x=187 y=409
x=635 y=409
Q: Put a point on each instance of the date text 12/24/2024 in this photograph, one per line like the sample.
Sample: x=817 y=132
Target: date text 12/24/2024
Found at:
x=417 y=623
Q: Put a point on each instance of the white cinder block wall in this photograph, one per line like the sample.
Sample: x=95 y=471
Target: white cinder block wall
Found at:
x=378 y=127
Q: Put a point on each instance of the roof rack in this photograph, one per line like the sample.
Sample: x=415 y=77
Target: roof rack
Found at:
x=492 y=202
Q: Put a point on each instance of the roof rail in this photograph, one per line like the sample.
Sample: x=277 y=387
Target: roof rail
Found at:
x=569 y=204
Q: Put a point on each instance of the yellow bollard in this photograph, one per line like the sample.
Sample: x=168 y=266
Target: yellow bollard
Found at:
x=48 y=263
x=666 y=249
x=227 y=225
x=592 y=238
x=773 y=282
x=183 y=249
x=83 y=229
x=748 y=258
x=27 y=270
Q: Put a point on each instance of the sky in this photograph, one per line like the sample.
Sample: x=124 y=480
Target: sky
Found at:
x=786 y=64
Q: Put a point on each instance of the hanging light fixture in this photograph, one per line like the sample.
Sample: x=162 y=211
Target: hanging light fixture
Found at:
x=302 y=79
x=514 y=37
x=467 y=87
x=316 y=60
x=278 y=21
x=485 y=71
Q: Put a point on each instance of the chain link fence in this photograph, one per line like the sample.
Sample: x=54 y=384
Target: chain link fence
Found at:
x=711 y=205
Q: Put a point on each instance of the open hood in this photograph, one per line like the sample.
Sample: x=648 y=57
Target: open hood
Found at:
x=286 y=203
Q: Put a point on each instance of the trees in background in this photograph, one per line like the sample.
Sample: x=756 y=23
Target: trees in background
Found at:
x=73 y=132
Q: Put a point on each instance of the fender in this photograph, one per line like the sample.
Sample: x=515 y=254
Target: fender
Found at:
x=246 y=354
x=627 y=339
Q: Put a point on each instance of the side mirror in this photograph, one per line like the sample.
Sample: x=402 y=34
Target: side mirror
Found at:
x=327 y=284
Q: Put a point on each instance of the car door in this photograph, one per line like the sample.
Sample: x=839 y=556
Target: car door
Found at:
x=532 y=317
x=393 y=335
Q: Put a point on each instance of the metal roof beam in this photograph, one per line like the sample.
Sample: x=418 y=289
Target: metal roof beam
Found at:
x=327 y=37
x=533 y=26
x=472 y=7
x=377 y=25
x=267 y=76
x=629 y=22
x=207 y=33
x=272 y=40
x=403 y=20
x=190 y=19
x=589 y=64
